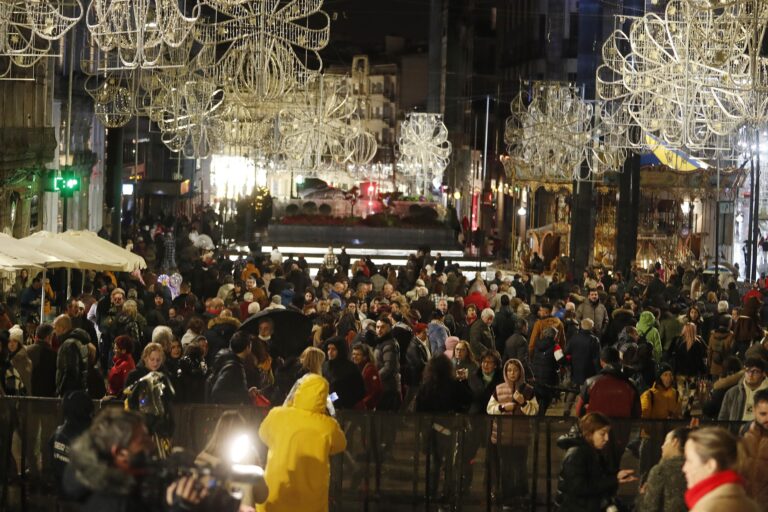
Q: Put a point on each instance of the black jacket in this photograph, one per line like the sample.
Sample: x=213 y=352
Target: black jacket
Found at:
x=43 y=359
x=543 y=364
x=504 y=325
x=344 y=378
x=584 y=349
x=481 y=392
x=451 y=397
x=587 y=478
x=72 y=363
x=229 y=383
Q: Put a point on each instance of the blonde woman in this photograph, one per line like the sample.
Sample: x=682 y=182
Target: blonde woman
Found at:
x=152 y=360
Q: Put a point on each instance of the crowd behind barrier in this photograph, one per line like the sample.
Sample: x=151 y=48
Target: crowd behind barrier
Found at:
x=393 y=461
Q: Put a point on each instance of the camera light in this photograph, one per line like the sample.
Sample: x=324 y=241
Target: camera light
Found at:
x=240 y=448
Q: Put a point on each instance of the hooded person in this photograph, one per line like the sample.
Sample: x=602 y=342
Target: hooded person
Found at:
x=513 y=397
x=646 y=328
x=301 y=436
x=344 y=377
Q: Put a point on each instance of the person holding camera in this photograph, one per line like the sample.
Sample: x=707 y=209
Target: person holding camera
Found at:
x=108 y=469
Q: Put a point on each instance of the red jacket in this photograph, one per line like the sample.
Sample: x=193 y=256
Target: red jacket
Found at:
x=116 y=379
x=610 y=393
x=373 y=388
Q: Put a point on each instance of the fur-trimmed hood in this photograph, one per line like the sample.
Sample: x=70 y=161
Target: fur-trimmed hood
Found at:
x=94 y=472
x=219 y=320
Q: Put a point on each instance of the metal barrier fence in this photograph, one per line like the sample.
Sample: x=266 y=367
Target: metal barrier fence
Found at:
x=394 y=461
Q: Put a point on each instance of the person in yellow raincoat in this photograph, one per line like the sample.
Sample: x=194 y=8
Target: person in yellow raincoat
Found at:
x=301 y=436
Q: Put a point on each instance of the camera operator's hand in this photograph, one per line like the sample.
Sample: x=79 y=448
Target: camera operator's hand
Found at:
x=186 y=492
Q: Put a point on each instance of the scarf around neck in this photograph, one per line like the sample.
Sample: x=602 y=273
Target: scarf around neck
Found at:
x=701 y=489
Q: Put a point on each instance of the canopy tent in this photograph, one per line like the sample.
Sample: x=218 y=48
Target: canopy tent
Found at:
x=72 y=255
x=11 y=264
x=30 y=258
x=91 y=242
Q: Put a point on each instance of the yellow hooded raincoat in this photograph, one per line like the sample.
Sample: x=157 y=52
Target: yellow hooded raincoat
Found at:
x=301 y=437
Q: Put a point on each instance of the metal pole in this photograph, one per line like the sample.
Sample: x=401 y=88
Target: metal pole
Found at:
x=756 y=212
x=717 y=228
x=749 y=269
x=42 y=298
x=485 y=163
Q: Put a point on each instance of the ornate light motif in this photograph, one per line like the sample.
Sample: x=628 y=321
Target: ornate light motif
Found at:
x=27 y=29
x=550 y=131
x=269 y=46
x=136 y=33
x=315 y=129
x=425 y=150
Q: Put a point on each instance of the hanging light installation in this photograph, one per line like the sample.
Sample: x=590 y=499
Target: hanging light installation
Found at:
x=137 y=33
x=27 y=29
x=424 y=147
x=271 y=50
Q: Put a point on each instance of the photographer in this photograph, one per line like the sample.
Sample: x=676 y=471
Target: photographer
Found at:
x=108 y=469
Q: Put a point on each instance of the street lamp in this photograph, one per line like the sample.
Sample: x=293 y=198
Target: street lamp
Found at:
x=522 y=211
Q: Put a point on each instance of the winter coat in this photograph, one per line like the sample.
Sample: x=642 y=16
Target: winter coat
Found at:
x=711 y=407
x=596 y=312
x=191 y=375
x=658 y=403
x=540 y=326
x=416 y=359
x=721 y=342
x=755 y=466
x=611 y=393
x=373 y=388
x=504 y=394
x=229 y=383
x=726 y=498
x=43 y=359
x=620 y=318
x=646 y=327
x=72 y=363
x=449 y=397
x=690 y=362
x=587 y=478
x=344 y=378
x=516 y=347
x=387 y=354
x=735 y=401
x=437 y=333
x=118 y=374
x=584 y=349
x=504 y=324
x=21 y=361
x=481 y=338
x=100 y=484
x=665 y=488
x=543 y=362
x=482 y=392
x=301 y=437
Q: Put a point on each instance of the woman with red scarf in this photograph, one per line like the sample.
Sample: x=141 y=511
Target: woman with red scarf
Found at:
x=713 y=485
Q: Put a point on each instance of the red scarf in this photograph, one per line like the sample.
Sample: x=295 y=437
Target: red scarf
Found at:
x=701 y=489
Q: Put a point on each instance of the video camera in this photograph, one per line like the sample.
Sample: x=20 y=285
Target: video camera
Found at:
x=223 y=481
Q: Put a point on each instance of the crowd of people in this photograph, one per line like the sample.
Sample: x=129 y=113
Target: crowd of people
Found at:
x=425 y=337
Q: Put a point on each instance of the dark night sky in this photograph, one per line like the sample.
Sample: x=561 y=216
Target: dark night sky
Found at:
x=360 y=25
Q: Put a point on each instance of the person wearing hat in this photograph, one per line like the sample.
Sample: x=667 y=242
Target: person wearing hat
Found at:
x=660 y=402
x=738 y=403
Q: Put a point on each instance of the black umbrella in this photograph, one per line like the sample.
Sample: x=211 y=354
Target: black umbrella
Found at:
x=292 y=331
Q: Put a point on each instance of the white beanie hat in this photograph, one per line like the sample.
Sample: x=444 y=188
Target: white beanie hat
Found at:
x=16 y=333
